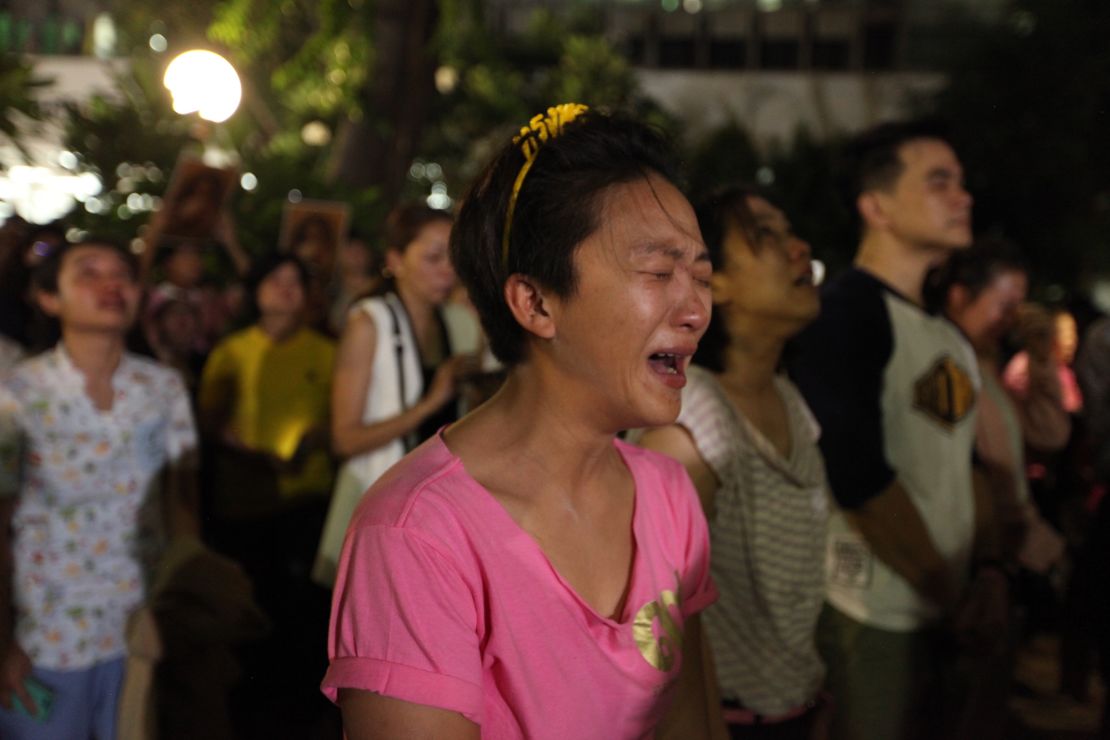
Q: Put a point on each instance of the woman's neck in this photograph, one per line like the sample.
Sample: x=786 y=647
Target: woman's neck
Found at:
x=548 y=433
x=279 y=327
x=751 y=358
x=95 y=354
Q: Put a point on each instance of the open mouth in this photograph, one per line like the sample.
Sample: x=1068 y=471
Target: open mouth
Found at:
x=666 y=363
x=670 y=367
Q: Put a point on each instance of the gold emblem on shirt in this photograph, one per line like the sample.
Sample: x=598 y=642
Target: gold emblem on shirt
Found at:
x=945 y=393
x=660 y=646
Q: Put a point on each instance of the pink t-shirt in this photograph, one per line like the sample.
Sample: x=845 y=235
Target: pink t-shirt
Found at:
x=442 y=599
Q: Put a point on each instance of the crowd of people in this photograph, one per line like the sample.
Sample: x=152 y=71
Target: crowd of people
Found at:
x=585 y=459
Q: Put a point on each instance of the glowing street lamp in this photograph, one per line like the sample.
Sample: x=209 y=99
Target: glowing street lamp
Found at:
x=204 y=83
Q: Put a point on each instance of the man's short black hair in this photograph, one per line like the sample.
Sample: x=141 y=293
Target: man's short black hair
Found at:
x=876 y=153
x=45 y=276
x=558 y=207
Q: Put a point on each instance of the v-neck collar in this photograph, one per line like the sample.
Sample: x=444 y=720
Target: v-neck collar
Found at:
x=76 y=380
x=518 y=538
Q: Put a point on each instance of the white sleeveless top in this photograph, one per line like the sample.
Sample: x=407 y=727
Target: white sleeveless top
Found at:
x=383 y=400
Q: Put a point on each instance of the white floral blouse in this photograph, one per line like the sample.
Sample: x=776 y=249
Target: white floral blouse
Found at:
x=87 y=524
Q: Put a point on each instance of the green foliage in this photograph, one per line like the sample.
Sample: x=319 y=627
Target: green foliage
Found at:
x=17 y=96
x=504 y=81
x=305 y=61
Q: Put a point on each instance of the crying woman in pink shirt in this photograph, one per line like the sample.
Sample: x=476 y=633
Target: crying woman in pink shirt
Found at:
x=524 y=573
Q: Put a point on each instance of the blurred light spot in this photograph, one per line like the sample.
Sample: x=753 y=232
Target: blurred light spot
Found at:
x=692 y=6
x=417 y=171
x=765 y=175
x=447 y=79
x=158 y=43
x=204 y=83
x=439 y=201
x=315 y=133
x=295 y=196
x=90 y=183
x=433 y=171
x=670 y=6
x=248 y=181
x=68 y=160
x=818 y=268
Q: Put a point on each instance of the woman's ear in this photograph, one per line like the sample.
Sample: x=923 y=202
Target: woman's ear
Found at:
x=530 y=307
x=48 y=302
x=393 y=262
x=957 y=299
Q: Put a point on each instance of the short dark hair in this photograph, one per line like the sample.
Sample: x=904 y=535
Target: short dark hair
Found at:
x=724 y=209
x=558 y=207
x=973 y=268
x=875 y=154
x=45 y=276
x=261 y=269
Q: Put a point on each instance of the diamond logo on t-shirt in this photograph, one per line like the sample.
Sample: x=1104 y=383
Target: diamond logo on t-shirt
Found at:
x=945 y=393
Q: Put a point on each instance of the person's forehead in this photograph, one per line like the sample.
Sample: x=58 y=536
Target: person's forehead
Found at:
x=87 y=253
x=649 y=204
x=927 y=154
x=763 y=210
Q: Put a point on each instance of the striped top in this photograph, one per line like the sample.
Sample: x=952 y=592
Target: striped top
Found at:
x=767 y=531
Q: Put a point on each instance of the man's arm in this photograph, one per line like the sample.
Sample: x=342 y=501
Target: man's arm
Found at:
x=893 y=528
x=370 y=716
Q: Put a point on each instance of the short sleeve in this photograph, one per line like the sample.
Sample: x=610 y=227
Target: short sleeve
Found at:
x=217 y=381
x=11 y=443
x=705 y=415
x=698 y=589
x=838 y=364
x=182 y=437
x=404 y=623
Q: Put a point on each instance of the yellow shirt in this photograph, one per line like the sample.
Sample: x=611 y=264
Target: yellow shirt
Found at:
x=272 y=393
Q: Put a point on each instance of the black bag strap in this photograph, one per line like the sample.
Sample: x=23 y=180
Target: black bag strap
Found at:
x=408 y=440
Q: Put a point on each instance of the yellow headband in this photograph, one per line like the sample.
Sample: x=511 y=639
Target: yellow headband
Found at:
x=542 y=127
